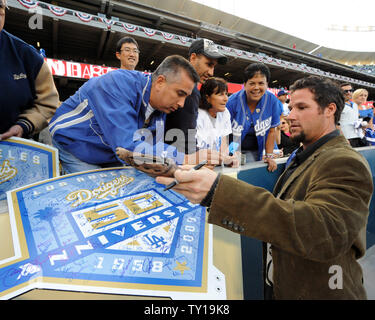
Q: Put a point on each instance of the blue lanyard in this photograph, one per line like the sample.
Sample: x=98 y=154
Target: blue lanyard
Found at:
x=291 y=157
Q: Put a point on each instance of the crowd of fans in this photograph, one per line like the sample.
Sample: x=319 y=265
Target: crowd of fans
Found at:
x=307 y=224
x=356 y=121
x=366 y=68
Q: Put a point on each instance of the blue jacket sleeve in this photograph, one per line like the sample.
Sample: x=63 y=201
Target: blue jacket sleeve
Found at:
x=117 y=109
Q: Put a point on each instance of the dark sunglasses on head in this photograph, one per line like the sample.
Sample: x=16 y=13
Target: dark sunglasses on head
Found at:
x=348 y=91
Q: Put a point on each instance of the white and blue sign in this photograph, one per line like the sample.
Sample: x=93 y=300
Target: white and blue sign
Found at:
x=111 y=230
x=23 y=162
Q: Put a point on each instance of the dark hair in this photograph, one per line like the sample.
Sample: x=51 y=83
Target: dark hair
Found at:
x=211 y=86
x=325 y=92
x=368 y=119
x=170 y=67
x=345 y=84
x=125 y=40
x=254 y=68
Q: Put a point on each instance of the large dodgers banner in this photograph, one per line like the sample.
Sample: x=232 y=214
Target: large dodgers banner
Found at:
x=23 y=162
x=111 y=231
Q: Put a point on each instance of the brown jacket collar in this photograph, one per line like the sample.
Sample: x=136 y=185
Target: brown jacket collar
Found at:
x=336 y=142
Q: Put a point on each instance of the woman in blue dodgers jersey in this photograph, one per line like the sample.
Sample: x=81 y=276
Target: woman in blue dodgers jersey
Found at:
x=255 y=113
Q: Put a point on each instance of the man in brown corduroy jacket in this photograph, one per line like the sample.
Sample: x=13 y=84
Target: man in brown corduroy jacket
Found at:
x=314 y=222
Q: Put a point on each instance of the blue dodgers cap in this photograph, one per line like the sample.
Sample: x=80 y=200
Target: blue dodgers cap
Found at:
x=281 y=92
x=207 y=48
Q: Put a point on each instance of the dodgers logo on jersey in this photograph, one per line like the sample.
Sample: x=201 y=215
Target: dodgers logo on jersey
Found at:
x=261 y=127
x=112 y=230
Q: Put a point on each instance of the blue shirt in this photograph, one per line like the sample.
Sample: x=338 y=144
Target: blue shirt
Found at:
x=20 y=65
x=366 y=113
x=258 y=123
x=370 y=136
x=109 y=112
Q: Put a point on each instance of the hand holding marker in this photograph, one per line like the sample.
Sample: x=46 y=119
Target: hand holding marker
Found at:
x=175 y=182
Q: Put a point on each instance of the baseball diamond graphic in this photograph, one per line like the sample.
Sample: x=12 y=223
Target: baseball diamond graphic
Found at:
x=112 y=231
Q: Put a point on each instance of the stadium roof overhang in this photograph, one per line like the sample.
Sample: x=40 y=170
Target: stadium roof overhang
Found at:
x=68 y=37
x=227 y=22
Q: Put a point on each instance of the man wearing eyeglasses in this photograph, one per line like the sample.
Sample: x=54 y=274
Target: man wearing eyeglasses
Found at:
x=127 y=51
x=28 y=96
x=350 y=124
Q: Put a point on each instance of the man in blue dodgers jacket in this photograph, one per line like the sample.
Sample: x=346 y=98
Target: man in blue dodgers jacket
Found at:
x=255 y=112
x=28 y=96
x=121 y=109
